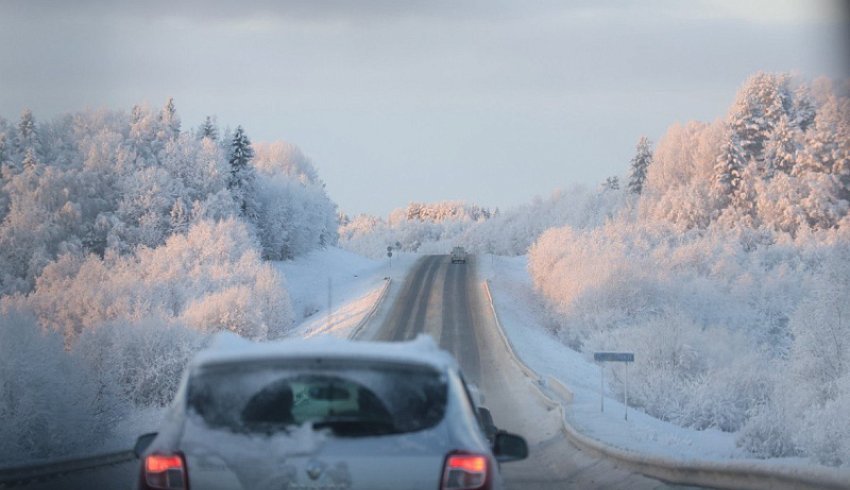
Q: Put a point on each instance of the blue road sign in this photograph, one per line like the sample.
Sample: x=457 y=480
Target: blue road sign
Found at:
x=614 y=356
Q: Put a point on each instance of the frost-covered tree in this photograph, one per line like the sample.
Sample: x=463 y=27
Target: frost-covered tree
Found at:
x=170 y=120
x=208 y=129
x=758 y=107
x=145 y=137
x=30 y=161
x=57 y=406
x=293 y=217
x=804 y=108
x=179 y=217
x=241 y=180
x=3 y=148
x=782 y=147
x=729 y=170
x=827 y=144
x=26 y=131
x=640 y=163
x=286 y=158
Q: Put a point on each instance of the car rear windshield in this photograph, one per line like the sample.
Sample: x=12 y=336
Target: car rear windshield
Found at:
x=352 y=399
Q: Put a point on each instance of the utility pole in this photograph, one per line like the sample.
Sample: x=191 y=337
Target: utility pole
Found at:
x=330 y=302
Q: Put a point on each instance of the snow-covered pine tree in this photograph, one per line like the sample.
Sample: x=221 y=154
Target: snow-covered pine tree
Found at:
x=179 y=221
x=241 y=181
x=208 y=129
x=611 y=183
x=804 y=108
x=823 y=140
x=2 y=148
x=728 y=170
x=640 y=162
x=170 y=120
x=780 y=150
x=759 y=105
x=29 y=162
x=26 y=132
x=143 y=135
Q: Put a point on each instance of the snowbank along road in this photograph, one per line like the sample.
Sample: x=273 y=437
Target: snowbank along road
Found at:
x=447 y=301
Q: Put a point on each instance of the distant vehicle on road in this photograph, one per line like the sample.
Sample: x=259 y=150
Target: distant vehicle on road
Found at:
x=325 y=414
x=458 y=255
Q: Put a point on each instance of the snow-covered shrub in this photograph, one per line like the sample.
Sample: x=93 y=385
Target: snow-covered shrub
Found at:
x=294 y=217
x=769 y=430
x=141 y=362
x=819 y=371
x=282 y=158
x=694 y=376
x=229 y=309
x=704 y=312
x=194 y=277
x=822 y=431
x=51 y=402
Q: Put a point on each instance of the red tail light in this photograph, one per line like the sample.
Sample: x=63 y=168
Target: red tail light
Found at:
x=165 y=471
x=466 y=472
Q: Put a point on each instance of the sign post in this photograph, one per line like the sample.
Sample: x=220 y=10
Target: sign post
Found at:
x=330 y=302
x=625 y=357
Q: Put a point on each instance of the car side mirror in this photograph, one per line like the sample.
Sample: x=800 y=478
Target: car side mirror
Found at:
x=487 y=422
x=142 y=443
x=509 y=447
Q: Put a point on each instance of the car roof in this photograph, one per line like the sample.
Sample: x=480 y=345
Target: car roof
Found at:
x=228 y=347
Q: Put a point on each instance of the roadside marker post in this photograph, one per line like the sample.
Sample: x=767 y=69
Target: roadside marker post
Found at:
x=330 y=302
x=625 y=357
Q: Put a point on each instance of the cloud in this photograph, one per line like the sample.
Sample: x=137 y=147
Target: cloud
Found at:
x=757 y=11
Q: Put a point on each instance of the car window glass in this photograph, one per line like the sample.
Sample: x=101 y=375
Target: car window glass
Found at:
x=350 y=399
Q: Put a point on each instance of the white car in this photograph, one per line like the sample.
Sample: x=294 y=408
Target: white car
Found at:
x=327 y=414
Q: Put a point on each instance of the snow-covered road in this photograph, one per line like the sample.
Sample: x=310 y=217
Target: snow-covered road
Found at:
x=448 y=302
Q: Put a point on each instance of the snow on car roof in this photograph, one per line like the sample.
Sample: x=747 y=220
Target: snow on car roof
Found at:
x=228 y=347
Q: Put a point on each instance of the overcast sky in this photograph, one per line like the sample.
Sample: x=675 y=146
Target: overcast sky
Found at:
x=487 y=101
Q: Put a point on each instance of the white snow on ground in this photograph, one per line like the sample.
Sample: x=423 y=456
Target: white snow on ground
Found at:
x=347 y=282
x=520 y=313
x=355 y=283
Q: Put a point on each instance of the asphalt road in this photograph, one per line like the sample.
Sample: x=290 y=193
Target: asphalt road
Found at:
x=447 y=301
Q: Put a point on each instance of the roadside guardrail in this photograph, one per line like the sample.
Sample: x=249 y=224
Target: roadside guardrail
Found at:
x=24 y=475
x=372 y=310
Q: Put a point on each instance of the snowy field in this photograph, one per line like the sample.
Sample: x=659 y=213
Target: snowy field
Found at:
x=356 y=283
x=520 y=313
